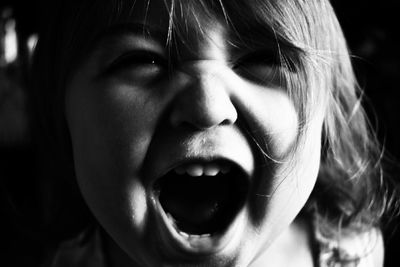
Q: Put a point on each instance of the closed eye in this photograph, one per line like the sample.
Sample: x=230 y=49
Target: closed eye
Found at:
x=257 y=58
x=262 y=67
x=138 y=63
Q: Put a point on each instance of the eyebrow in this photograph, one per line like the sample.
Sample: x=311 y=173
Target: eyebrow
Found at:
x=131 y=28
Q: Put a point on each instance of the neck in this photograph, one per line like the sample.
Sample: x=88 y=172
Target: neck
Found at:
x=292 y=248
x=115 y=256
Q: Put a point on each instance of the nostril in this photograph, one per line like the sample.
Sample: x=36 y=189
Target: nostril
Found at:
x=231 y=120
x=203 y=115
x=201 y=121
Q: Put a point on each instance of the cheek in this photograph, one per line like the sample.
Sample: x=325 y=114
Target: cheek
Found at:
x=110 y=130
x=271 y=116
x=296 y=177
x=283 y=190
x=110 y=127
x=285 y=179
x=101 y=136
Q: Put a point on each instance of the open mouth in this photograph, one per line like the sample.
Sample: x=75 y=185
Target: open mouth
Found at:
x=202 y=199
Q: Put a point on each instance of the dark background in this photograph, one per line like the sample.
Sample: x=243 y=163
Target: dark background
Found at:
x=372 y=31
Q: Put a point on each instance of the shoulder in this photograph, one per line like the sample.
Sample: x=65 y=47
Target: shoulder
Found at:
x=362 y=250
x=368 y=246
x=85 y=250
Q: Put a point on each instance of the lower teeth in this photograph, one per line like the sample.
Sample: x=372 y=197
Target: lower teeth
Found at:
x=190 y=236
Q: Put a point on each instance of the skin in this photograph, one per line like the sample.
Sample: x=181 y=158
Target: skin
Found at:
x=131 y=125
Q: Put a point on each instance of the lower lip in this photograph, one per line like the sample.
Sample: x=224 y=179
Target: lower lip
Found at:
x=197 y=245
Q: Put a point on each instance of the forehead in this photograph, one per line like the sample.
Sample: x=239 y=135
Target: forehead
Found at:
x=187 y=20
x=170 y=17
x=147 y=12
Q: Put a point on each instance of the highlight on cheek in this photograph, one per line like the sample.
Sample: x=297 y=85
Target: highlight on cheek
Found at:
x=139 y=206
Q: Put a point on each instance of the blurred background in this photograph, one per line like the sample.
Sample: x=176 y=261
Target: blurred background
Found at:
x=372 y=34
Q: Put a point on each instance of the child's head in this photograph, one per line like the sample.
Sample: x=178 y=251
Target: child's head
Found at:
x=197 y=129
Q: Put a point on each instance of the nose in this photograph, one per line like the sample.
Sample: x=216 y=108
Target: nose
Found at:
x=203 y=103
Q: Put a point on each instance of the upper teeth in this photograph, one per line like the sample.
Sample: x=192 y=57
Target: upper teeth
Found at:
x=200 y=169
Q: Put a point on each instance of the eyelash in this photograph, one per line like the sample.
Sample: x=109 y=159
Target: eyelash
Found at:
x=136 y=59
x=258 y=57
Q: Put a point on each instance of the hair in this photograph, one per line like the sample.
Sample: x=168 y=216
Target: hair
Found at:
x=351 y=194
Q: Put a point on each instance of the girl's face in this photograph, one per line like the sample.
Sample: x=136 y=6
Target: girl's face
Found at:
x=163 y=147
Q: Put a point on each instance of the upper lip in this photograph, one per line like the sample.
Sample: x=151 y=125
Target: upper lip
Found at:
x=247 y=170
x=223 y=144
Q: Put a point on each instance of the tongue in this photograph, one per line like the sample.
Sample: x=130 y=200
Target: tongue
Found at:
x=194 y=202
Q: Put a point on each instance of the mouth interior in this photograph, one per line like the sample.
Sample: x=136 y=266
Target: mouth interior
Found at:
x=205 y=204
